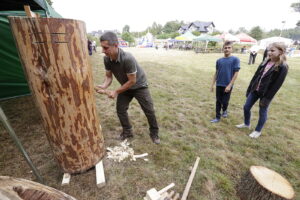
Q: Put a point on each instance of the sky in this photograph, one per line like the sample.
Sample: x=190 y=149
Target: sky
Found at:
x=140 y=14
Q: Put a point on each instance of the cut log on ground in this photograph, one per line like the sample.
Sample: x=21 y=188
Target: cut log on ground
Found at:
x=55 y=59
x=261 y=183
x=22 y=189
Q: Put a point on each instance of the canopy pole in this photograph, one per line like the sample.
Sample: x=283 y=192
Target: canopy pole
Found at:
x=206 y=45
x=13 y=135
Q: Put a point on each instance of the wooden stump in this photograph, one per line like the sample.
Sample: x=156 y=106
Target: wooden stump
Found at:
x=261 y=183
x=55 y=59
x=22 y=189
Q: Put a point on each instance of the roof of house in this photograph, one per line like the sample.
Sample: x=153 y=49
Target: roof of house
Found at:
x=185 y=27
x=201 y=26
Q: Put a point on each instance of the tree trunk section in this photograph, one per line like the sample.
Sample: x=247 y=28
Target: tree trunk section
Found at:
x=22 y=189
x=54 y=56
x=261 y=183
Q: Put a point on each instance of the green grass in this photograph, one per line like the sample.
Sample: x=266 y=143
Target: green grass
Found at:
x=180 y=87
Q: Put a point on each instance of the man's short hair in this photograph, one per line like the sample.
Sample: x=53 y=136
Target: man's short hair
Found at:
x=227 y=43
x=109 y=36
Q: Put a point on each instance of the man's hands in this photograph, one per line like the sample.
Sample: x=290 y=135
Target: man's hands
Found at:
x=101 y=90
x=112 y=94
x=228 y=88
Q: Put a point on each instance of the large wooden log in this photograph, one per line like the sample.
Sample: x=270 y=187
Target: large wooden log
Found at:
x=261 y=183
x=22 y=189
x=55 y=60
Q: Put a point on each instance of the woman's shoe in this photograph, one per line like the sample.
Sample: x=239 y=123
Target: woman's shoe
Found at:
x=255 y=134
x=242 y=126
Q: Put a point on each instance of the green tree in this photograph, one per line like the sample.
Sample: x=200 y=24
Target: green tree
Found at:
x=93 y=38
x=156 y=29
x=216 y=32
x=231 y=31
x=296 y=7
x=196 y=33
x=126 y=29
x=242 y=30
x=172 y=26
x=256 y=32
x=292 y=33
x=167 y=35
x=273 y=33
x=127 y=37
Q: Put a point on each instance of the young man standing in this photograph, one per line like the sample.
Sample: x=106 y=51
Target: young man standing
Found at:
x=133 y=85
x=227 y=69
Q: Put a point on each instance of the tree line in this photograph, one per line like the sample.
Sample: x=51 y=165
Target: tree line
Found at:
x=170 y=30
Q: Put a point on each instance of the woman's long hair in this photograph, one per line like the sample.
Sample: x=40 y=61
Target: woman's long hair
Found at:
x=282 y=58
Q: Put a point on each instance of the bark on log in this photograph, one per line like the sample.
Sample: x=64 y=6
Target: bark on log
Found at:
x=22 y=189
x=261 y=183
x=55 y=60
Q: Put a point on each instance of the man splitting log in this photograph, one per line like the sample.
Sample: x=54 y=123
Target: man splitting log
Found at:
x=133 y=85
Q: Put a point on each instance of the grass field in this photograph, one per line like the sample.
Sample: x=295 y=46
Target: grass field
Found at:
x=180 y=87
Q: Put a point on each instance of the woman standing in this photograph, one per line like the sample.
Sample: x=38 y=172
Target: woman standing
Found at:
x=265 y=83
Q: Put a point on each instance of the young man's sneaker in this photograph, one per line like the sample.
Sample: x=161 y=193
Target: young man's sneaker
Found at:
x=255 y=134
x=242 y=126
x=124 y=136
x=155 y=139
x=225 y=114
x=216 y=120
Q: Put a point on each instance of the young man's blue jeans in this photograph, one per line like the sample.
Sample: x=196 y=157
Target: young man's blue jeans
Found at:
x=263 y=111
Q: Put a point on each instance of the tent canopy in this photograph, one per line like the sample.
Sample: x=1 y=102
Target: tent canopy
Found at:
x=246 y=38
x=228 y=37
x=207 y=38
x=267 y=41
x=12 y=79
x=35 y=5
x=7 y=5
x=187 y=36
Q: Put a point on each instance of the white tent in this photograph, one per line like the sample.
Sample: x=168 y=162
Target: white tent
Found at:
x=266 y=42
x=228 y=37
x=146 y=40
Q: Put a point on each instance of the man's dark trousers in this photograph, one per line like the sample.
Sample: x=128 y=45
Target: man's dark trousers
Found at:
x=252 y=58
x=143 y=96
x=222 y=100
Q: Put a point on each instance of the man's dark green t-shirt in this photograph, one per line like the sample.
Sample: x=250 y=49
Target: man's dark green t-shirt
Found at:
x=126 y=64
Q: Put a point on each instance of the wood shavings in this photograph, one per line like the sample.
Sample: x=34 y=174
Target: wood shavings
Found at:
x=119 y=153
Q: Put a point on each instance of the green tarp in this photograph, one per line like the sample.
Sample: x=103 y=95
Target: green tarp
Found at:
x=12 y=79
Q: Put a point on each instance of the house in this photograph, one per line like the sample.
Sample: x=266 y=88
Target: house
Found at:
x=96 y=33
x=202 y=27
x=100 y=32
x=183 y=28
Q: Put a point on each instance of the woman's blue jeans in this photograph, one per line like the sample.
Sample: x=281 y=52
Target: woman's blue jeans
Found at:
x=263 y=111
